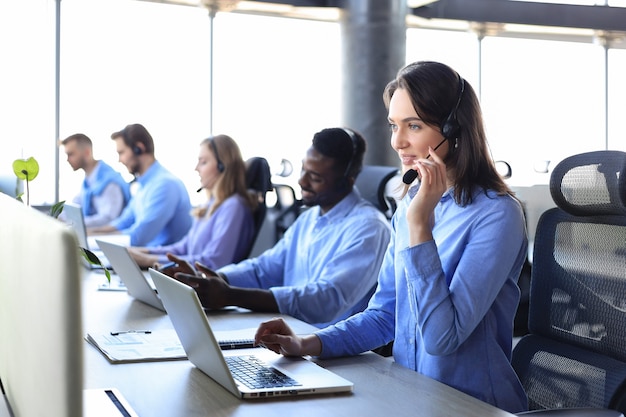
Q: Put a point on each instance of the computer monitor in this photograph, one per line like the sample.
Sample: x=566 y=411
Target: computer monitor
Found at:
x=41 y=357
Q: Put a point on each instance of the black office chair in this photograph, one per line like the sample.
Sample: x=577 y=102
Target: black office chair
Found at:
x=372 y=184
x=259 y=182
x=573 y=361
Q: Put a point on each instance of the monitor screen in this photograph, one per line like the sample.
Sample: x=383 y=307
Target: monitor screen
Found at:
x=41 y=358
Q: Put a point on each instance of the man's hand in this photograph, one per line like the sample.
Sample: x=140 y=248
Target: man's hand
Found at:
x=212 y=290
x=180 y=265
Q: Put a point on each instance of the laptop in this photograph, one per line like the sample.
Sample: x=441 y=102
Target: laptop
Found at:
x=136 y=283
x=301 y=376
x=73 y=215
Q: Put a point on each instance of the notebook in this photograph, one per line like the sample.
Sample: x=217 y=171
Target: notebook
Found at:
x=194 y=331
x=136 y=283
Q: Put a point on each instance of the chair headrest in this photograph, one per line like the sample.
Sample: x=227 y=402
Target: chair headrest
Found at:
x=258 y=174
x=592 y=183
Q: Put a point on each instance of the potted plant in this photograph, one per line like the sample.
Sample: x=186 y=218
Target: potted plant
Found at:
x=27 y=170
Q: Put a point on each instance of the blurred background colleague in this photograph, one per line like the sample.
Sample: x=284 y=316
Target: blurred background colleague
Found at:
x=158 y=213
x=223 y=228
x=104 y=193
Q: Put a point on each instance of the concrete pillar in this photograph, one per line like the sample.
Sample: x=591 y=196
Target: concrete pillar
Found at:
x=373 y=34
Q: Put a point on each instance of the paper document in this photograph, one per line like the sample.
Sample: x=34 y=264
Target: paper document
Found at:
x=138 y=345
x=159 y=345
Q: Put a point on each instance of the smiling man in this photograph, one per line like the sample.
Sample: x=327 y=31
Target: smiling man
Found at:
x=325 y=267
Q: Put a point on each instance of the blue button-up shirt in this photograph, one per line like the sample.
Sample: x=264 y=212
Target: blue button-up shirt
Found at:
x=159 y=213
x=324 y=268
x=449 y=303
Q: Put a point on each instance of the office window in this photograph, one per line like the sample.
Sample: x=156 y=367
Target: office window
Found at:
x=543 y=101
x=271 y=91
x=617 y=100
x=459 y=50
x=126 y=62
x=276 y=82
x=27 y=90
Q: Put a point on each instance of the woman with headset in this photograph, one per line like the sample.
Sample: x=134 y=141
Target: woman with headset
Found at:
x=223 y=228
x=447 y=290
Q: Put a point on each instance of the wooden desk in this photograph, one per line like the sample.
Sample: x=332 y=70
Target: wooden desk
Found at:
x=177 y=388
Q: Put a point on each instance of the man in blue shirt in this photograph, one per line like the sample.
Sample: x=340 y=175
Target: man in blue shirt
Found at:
x=324 y=268
x=159 y=212
x=104 y=193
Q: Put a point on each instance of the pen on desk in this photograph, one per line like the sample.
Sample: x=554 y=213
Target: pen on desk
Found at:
x=131 y=331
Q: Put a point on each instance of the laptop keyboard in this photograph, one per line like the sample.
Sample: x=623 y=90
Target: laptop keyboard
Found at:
x=253 y=373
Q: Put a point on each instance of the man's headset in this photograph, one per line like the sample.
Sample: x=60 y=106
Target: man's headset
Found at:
x=353 y=139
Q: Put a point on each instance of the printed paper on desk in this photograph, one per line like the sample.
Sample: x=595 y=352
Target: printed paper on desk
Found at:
x=139 y=346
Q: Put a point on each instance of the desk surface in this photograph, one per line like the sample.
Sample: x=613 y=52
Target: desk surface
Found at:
x=177 y=388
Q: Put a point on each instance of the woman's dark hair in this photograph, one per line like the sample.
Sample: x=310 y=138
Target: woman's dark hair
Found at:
x=434 y=91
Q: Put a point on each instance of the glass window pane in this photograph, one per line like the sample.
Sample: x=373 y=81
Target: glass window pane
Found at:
x=135 y=62
x=617 y=99
x=543 y=101
x=459 y=50
x=27 y=90
x=277 y=81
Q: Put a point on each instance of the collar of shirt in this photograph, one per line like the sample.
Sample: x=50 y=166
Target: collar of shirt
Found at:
x=341 y=209
x=91 y=178
x=150 y=173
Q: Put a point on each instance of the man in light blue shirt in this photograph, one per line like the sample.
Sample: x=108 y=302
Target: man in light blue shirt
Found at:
x=159 y=212
x=104 y=193
x=324 y=268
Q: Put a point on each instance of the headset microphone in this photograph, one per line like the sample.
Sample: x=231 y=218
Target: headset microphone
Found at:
x=411 y=174
x=199 y=189
x=449 y=129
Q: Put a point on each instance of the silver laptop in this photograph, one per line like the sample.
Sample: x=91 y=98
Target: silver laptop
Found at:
x=73 y=215
x=137 y=284
x=289 y=376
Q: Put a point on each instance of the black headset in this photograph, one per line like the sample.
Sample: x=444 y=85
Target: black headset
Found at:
x=350 y=133
x=450 y=127
x=220 y=165
x=136 y=149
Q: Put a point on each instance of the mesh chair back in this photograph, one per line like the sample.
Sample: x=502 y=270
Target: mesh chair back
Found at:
x=575 y=355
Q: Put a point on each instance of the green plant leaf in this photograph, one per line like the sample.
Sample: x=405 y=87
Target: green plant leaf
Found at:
x=94 y=260
x=26 y=169
x=57 y=209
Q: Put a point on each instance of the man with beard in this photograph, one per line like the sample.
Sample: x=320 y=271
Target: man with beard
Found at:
x=159 y=212
x=104 y=193
x=325 y=267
